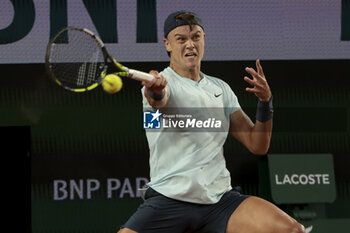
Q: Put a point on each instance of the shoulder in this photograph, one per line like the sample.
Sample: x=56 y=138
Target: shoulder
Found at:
x=219 y=82
x=168 y=73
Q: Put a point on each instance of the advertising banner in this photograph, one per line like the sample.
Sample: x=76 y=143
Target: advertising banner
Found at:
x=302 y=178
x=133 y=30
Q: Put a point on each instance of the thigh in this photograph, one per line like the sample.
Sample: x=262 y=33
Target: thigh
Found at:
x=159 y=214
x=214 y=217
x=126 y=230
x=257 y=215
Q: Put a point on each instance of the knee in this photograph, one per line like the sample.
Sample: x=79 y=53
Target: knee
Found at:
x=296 y=227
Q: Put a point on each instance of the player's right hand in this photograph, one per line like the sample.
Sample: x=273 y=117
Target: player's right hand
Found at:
x=156 y=85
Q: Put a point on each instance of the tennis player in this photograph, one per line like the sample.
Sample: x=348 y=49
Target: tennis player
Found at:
x=190 y=187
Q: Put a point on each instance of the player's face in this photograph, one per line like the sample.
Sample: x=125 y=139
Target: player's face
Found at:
x=186 y=47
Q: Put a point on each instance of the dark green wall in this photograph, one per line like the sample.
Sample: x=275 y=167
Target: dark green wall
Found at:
x=97 y=135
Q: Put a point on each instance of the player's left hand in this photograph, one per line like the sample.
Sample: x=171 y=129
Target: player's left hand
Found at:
x=260 y=86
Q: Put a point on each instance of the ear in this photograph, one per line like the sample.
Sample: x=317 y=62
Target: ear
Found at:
x=167 y=44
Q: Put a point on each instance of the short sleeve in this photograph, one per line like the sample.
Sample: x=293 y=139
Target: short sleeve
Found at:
x=230 y=100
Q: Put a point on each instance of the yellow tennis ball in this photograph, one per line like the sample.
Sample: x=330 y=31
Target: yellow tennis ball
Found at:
x=112 y=83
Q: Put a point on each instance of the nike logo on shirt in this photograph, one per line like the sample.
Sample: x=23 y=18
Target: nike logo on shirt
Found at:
x=217 y=95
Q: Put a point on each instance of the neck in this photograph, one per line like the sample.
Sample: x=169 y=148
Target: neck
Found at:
x=193 y=74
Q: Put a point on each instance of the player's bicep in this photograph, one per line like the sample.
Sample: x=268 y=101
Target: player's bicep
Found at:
x=241 y=126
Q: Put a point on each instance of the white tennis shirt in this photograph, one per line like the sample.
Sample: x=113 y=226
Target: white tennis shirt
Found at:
x=186 y=164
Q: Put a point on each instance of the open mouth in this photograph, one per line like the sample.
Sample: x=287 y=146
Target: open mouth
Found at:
x=190 y=55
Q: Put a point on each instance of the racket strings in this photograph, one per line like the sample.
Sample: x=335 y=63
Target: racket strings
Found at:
x=78 y=62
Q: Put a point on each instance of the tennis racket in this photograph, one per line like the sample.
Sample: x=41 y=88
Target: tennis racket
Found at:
x=77 y=60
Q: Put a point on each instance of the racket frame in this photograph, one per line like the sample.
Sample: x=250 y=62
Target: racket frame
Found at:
x=108 y=59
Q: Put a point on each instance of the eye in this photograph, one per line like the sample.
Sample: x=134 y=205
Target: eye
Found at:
x=181 y=39
x=196 y=37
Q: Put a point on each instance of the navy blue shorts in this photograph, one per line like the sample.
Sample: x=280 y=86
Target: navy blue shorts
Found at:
x=160 y=214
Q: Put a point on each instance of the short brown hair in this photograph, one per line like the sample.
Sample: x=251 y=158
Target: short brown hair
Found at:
x=188 y=18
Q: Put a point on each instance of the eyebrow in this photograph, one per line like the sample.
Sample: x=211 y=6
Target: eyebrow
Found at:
x=178 y=34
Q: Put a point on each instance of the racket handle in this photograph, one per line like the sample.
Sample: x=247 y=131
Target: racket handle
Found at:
x=140 y=76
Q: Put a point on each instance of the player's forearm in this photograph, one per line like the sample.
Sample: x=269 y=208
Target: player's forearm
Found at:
x=262 y=129
x=260 y=137
x=157 y=100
